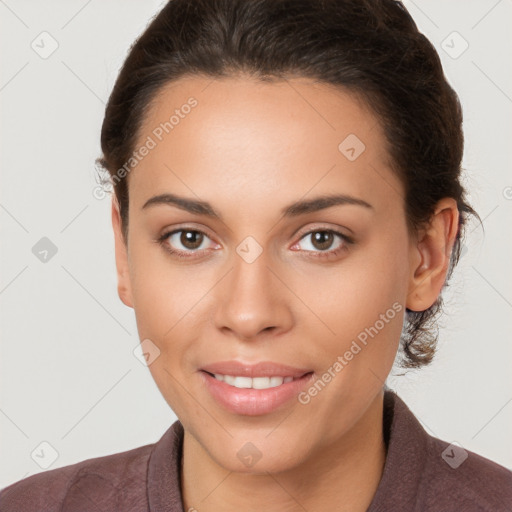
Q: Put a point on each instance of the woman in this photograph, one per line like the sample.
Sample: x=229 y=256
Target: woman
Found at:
x=287 y=209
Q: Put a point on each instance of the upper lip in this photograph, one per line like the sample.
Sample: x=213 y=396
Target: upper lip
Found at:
x=261 y=369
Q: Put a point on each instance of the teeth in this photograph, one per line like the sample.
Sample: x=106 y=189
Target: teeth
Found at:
x=256 y=383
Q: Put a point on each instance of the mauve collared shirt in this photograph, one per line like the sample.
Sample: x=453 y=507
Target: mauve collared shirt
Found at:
x=421 y=473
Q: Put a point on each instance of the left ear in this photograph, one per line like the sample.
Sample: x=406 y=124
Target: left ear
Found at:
x=430 y=255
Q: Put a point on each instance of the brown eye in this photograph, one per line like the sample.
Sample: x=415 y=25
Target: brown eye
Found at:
x=322 y=242
x=184 y=242
x=322 y=239
x=191 y=239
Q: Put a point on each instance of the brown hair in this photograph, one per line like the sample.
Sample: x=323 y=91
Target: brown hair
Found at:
x=370 y=47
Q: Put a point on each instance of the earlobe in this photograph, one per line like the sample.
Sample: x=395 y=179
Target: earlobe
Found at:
x=430 y=256
x=124 y=289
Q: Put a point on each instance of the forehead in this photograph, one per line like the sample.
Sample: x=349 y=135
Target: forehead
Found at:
x=213 y=137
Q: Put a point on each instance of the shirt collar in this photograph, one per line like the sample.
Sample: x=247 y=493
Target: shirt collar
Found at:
x=405 y=438
x=406 y=442
x=164 y=475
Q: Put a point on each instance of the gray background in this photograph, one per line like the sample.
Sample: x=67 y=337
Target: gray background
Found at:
x=68 y=373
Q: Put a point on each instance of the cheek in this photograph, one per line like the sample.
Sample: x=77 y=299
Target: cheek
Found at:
x=362 y=301
x=169 y=305
x=164 y=298
x=163 y=291
x=365 y=283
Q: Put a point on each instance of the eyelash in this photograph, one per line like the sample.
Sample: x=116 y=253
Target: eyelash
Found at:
x=347 y=241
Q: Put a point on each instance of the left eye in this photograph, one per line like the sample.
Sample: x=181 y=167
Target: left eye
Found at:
x=322 y=240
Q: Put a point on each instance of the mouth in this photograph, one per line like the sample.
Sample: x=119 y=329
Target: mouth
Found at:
x=243 y=382
x=234 y=368
x=254 y=390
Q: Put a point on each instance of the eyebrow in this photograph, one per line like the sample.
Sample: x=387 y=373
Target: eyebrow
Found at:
x=293 y=210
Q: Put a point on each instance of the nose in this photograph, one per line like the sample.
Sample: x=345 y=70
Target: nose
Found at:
x=252 y=300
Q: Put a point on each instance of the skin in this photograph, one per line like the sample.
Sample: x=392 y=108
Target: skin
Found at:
x=250 y=149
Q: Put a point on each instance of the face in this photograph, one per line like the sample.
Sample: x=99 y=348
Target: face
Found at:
x=276 y=275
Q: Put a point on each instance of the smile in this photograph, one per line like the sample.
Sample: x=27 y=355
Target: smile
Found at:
x=253 y=396
x=254 y=383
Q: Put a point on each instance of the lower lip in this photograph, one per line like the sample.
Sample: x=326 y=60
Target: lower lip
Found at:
x=254 y=402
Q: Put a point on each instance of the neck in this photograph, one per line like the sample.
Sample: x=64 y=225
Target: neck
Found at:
x=343 y=477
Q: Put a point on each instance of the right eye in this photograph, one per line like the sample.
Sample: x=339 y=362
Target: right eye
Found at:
x=190 y=239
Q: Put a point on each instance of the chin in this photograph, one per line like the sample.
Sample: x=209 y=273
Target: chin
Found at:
x=259 y=453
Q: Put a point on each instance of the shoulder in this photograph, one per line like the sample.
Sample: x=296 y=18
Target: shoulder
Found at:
x=423 y=472
x=454 y=475
x=102 y=483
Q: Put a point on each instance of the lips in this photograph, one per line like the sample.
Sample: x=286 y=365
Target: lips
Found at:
x=254 y=389
x=252 y=401
x=261 y=369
